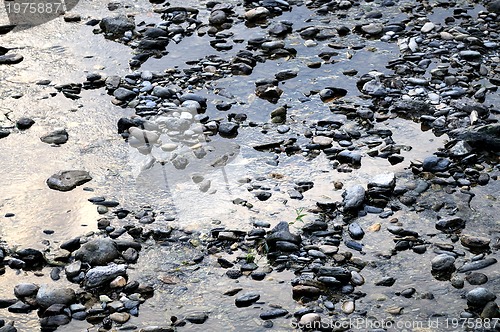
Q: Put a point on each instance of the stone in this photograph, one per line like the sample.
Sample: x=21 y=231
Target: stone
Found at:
x=354 y=197
x=257 y=13
x=59 y=136
x=435 y=164
x=10 y=59
x=443 y=263
x=101 y=275
x=98 y=252
x=490 y=311
x=478 y=297
x=228 y=129
x=476 y=278
x=117 y=25
x=355 y=231
x=120 y=317
x=474 y=242
x=485 y=137
x=246 y=300
x=450 y=225
x=196 y=317
x=124 y=94
x=68 y=180
x=372 y=29
x=72 y=17
x=50 y=294
x=274 y=313
x=427 y=27
x=20 y=308
x=309 y=319
x=385 y=180
x=25 y=290
x=477 y=265
x=322 y=140
x=24 y=123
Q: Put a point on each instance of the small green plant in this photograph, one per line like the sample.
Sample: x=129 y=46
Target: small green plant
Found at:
x=250 y=257
x=299 y=215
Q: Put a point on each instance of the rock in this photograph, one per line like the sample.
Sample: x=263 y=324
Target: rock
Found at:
x=478 y=297
x=427 y=27
x=196 y=317
x=286 y=246
x=246 y=299
x=117 y=25
x=355 y=231
x=349 y=157
x=228 y=129
x=490 y=311
x=59 y=136
x=4 y=133
x=494 y=6
x=20 y=308
x=10 y=59
x=257 y=13
x=24 y=123
x=98 y=252
x=161 y=92
x=348 y=307
x=101 y=275
x=25 y=290
x=217 y=17
x=485 y=137
x=124 y=94
x=50 y=294
x=269 y=92
x=52 y=322
x=309 y=319
x=281 y=232
x=32 y=258
x=385 y=180
x=322 y=140
x=72 y=17
x=443 y=263
x=274 y=313
x=8 y=328
x=387 y=282
x=435 y=164
x=476 y=278
x=354 y=197
x=477 y=265
x=300 y=291
x=450 y=225
x=372 y=29
x=469 y=55
x=475 y=242
x=120 y=317
x=68 y=180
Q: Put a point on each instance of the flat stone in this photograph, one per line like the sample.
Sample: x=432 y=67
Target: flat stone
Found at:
x=474 y=242
x=68 y=180
x=10 y=59
x=101 y=275
x=196 y=317
x=246 y=299
x=59 y=136
x=50 y=294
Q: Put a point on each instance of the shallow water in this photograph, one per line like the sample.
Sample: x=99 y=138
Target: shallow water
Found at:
x=64 y=52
